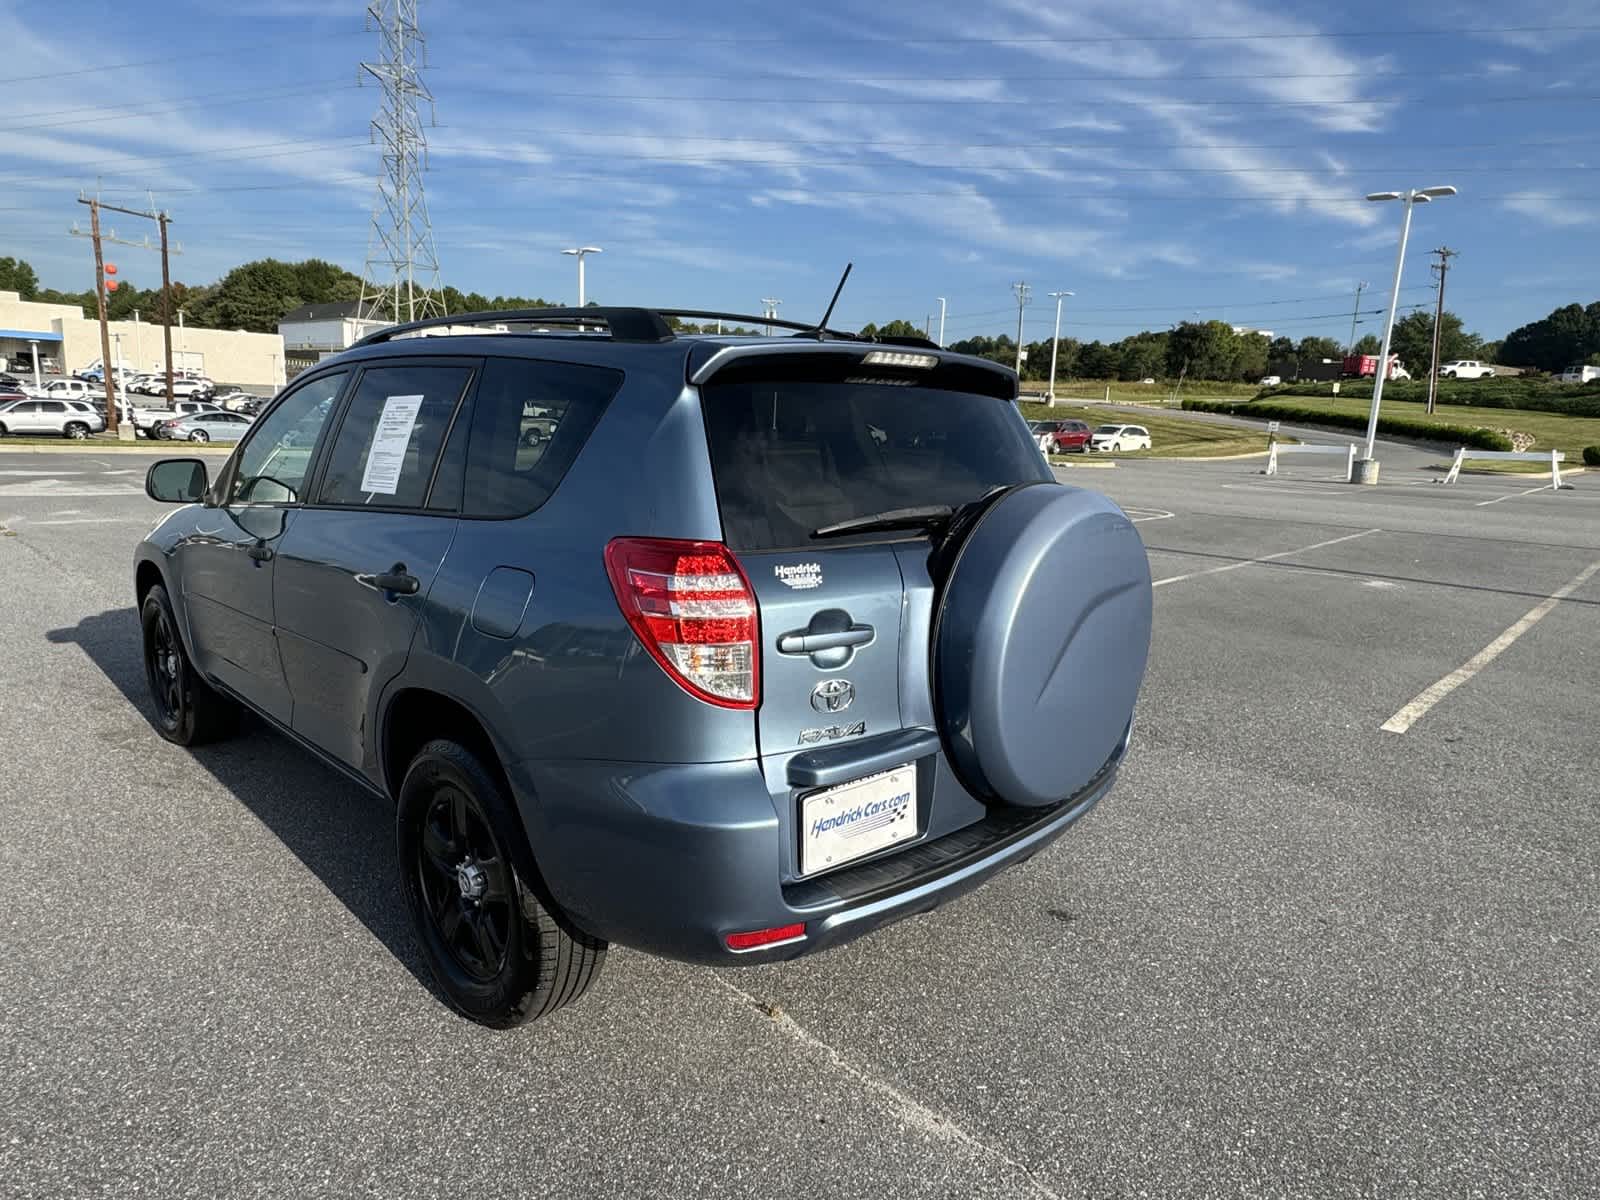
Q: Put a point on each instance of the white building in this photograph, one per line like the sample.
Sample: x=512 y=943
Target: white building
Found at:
x=314 y=331
x=69 y=341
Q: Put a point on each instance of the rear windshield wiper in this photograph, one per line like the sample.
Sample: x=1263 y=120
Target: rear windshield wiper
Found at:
x=930 y=517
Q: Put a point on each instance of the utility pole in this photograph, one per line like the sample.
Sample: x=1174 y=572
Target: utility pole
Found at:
x=1441 y=269
x=1355 y=315
x=163 y=219
x=1055 y=346
x=166 y=305
x=1022 y=290
x=100 y=304
x=927 y=327
x=941 y=322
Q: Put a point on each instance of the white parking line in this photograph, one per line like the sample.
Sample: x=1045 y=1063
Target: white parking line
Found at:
x=1428 y=697
x=1265 y=558
x=1150 y=514
x=1545 y=487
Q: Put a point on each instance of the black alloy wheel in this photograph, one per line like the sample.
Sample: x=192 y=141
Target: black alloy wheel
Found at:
x=189 y=711
x=465 y=885
x=163 y=661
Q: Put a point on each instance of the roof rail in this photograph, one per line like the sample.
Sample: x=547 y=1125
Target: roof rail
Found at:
x=624 y=324
x=629 y=324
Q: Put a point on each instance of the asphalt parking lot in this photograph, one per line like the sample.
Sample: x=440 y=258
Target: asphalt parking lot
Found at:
x=1294 y=954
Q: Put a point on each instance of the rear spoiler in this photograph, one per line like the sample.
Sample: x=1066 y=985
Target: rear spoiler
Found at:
x=838 y=362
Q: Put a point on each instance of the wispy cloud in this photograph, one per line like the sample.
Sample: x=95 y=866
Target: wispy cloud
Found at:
x=1548 y=208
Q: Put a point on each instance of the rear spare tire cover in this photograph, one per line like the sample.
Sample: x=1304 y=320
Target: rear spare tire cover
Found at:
x=1040 y=644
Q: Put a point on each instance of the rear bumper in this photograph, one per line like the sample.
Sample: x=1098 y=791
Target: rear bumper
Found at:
x=672 y=859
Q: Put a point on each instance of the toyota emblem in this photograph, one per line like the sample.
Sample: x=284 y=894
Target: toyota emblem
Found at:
x=832 y=695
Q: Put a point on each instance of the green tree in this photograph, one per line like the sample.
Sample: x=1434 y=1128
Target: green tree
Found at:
x=17 y=276
x=1315 y=349
x=1412 y=340
x=1098 y=361
x=1141 y=356
x=1568 y=335
x=1369 y=344
x=896 y=328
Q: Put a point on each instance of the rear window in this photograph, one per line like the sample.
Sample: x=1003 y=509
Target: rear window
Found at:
x=790 y=458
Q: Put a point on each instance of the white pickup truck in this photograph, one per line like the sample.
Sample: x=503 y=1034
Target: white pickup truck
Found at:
x=1466 y=368
x=146 y=419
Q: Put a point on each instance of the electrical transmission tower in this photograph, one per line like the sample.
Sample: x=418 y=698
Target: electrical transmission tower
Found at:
x=401 y=277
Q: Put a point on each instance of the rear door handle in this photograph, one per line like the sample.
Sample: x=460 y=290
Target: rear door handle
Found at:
x=398 y=582
x=801 y=642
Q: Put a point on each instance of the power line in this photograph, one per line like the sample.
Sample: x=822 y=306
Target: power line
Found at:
x=1077 y=39
x=1173 y=103
x=163 y=107
x=251 y=48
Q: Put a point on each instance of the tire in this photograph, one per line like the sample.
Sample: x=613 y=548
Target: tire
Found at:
x=189 y=712
x=2 y=431
x=76 y=430
x=1116 y=445
x=502 y=956
x=199 y=435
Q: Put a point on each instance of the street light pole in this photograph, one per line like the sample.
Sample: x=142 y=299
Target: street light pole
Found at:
x=579 y=252
x=1365 y=470
x=1055 y=346
x=941 y=322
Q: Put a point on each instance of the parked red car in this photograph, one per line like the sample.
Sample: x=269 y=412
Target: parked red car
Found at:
x=1066 y=437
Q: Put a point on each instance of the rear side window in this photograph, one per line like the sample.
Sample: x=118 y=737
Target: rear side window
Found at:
x=792 y=457
x=529 y=420
x=391 y=435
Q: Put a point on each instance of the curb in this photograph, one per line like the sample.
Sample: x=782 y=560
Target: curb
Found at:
x=88 y=447
x=1064 y=461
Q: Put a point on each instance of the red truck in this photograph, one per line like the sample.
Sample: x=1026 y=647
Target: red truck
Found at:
x=1365 y=366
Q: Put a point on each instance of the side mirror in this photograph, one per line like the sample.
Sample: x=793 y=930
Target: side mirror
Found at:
x=177 y=481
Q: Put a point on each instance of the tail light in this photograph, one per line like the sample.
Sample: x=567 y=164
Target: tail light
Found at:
x=695 y=612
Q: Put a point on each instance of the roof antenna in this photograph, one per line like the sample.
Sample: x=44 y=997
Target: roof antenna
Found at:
x=822 y=326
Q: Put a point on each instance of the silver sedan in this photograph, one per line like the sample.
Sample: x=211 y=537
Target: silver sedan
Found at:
x=204 y=427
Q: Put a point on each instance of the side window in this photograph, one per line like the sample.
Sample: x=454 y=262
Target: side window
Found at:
x=529 y=421
x=52 y=406
x=272 y=465
x=389 y=441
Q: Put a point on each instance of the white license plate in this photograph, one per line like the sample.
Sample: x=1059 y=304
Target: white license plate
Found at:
x=841 y=824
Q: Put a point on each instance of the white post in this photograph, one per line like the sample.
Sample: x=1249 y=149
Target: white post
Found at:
x=1055 y=347
x=1555 y=470
x=1272 y=460
x=1454 y=472
x=941 y=322
x=1350 y=463
x=1382 y=373
x=580 y=278
x=37 y=382
x=1108 y=393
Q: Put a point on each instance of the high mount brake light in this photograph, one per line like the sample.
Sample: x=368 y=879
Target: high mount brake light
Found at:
x=694 y=611
x=899 y=358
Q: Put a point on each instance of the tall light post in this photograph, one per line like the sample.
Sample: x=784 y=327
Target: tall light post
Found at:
x=1055 y=346
x=33 y=345
x=941 y=322
x=770 y=311
x=579 y=252
x=1365 y=469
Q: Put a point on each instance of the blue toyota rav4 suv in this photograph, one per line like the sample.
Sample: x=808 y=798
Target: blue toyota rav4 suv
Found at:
x=727 y=649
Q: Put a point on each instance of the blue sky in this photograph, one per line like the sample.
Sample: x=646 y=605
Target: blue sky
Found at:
x=1160 y=158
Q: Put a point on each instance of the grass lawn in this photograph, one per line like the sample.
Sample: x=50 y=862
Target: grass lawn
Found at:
x=1551 y=430
x=1170 y=436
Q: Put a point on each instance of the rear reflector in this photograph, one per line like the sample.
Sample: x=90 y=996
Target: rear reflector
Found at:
x=757 y=938
x=899 y=358
x=692 y=608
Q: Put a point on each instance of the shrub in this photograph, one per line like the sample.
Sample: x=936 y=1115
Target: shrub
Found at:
x=1430 y=431
x=1536 y=394
x=1591 y=456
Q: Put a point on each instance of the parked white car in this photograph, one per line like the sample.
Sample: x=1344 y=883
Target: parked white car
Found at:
x=192 y=388
x=66 y=389
x=1120 y=437
x=61 y=418
x=145 y=420
x=1578 y=373
x=1466 y=368
x=1270 y=381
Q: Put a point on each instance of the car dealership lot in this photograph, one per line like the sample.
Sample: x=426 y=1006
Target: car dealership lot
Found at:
x=1293 y=954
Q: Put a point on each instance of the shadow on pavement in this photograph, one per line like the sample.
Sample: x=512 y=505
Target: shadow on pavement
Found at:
x=343 y=834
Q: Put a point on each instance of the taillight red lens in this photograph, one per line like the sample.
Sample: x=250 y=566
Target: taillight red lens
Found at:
x=694 y=610
x=757 y=938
